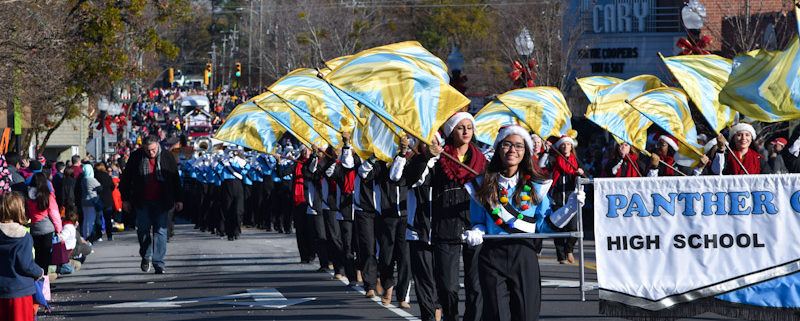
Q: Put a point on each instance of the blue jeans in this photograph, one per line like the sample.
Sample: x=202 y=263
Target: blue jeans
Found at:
x=150 y=214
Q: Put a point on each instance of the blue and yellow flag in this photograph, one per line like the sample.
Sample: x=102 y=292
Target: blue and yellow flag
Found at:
x=543 y=109
x=764 y=85
x=286 y=116
x=249 y=126
x=304 y=90
x=402 y=83
x=591 y=84
x=668 y=108
x=374 y=137
x=333 y=63
x=611 y=111
x=702 y=77
x=491 y=118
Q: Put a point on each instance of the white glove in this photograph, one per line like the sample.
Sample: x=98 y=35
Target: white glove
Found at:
x=580 y=197
x=474 y=237
x=563 y=215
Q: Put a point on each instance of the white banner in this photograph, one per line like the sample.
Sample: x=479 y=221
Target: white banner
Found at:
x=669 y=240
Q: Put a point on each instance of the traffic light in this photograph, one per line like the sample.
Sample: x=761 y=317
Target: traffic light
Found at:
x=171 y=76
x=238 y=69
x=207 y=74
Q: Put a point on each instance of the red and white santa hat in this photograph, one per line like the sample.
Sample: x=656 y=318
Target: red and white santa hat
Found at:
x=566 y=139
x=508 y=130
x=669 y=140
x=742 y=127
x=451 y=123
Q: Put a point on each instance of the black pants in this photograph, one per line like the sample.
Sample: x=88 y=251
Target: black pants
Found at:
x=281 y=212
x=320 y=238
x=365 y=225
x=233 y=206
x=263 y=207
x=424 y=283
x=333 y=234
x=446 y=257
x=510 y=280
x=348 y=255
x=391 y=234
x=565 y=246
x=248 y=216
x=303 y=232
x=42 y=244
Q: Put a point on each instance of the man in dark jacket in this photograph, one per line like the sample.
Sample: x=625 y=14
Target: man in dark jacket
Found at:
x=150 y=186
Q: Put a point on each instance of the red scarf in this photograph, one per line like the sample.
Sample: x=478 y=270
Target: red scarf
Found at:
x=751 y=161
x=457 y=172
x=630 y=159
x=298 y=196
x=349 y=182
x=562 y=167
x=669 y=160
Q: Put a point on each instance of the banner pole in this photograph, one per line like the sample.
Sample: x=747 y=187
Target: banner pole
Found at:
x=581 y=259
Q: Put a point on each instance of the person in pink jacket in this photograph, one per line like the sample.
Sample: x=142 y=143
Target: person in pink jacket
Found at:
x=42 y=210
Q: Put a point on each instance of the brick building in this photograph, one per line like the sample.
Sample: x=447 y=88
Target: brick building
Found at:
x=622 y=38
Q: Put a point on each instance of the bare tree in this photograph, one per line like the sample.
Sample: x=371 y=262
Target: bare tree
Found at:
x=752 y=24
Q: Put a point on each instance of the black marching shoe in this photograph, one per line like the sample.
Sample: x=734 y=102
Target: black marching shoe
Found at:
x=160 y=270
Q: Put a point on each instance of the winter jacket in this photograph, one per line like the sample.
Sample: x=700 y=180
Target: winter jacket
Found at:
x=107 y=190
x=450 y=205
x=39 y=218
x=133 y=182
x=17 y=268
x=90 y=188
x=394 y=190
x=419 y=204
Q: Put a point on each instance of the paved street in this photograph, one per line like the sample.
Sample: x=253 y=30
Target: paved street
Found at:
x=208 y=278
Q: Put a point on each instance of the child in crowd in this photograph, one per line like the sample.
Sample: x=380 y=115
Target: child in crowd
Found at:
x=79 y=248
x=17 y=268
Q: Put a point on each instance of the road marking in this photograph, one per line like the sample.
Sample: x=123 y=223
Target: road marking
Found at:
x=269 y=298
x=400 y=312
x=556 y=283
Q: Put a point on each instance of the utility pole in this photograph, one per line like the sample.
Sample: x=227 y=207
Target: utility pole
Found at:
x=250 y=45
x=213 y=64
x=222 y=60
x=234 y=38
x=260 y=45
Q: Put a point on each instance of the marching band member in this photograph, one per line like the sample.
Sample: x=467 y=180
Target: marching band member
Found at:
x=418 y=237
x=741 y=135
x=344 y=174
x=330 y=212
x=665 y=149
x=366 y=210
x=390 y=226
x=451 y=214
x=510 y=198
x=623 y=162
x=565 y=171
